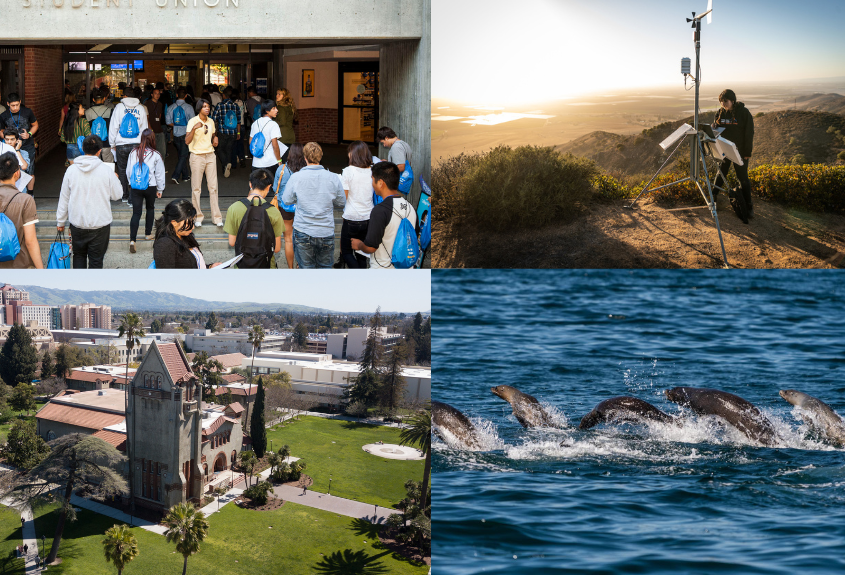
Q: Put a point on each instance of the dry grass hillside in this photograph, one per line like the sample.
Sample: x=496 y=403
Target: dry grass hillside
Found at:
x=782 y=137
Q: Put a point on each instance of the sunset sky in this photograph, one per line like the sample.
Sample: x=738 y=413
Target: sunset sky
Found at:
x=506 y=53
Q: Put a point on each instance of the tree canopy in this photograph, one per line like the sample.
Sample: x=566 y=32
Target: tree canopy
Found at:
x=18 y=358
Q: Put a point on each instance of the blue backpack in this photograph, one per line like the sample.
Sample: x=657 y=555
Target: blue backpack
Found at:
x=258 y=146
x=10 y=246
x=256 y=113
x=79 y=141
x=140 y=179
x=280 y=190
x=129 y=125
x=99 y=129
x=406 y=247
x=407 y=178
x=230 y=120
x=179 y=117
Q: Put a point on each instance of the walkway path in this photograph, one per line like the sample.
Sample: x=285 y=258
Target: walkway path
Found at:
x=339 y=417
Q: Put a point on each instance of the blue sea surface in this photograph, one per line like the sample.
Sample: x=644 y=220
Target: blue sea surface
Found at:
x=701 y=498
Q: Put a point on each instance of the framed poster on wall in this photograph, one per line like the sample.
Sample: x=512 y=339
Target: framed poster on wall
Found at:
x=308 y=83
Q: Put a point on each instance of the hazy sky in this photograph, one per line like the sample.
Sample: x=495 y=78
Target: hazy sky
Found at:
x=349 y=290
x=497 y=52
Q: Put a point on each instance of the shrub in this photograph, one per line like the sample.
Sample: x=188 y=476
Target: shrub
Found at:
x=799 y=159
x=609 y=188
x=259 y=492
x=525 y=187
x=841 y=155
x=810 y=186
x=760 y=114
x=445 y=178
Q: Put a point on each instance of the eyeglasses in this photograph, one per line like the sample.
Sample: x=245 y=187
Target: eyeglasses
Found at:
x=206 y=128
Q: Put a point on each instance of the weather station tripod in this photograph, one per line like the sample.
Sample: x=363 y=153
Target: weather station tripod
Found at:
x=702 y=142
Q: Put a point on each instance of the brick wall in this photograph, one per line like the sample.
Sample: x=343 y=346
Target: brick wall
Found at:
x=317 y=125
x=43 y=92
x=153 y=71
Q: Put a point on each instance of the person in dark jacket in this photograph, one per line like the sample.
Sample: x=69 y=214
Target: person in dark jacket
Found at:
x=738 y=123
x=175 y=245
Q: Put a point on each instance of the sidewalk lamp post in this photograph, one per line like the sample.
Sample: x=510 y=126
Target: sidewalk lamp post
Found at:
x=330 y=484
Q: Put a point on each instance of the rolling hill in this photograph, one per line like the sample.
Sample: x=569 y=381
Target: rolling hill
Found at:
x=153 y=301
x=779 y=137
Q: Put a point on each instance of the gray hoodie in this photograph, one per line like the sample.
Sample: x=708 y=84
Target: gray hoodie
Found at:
x=87 y=189
x=125 y=106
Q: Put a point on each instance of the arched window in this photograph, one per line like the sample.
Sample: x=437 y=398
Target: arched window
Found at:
x=158 y=382
x=50 y=435
x=234 y=456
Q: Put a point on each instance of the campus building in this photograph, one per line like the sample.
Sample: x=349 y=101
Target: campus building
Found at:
x=351 y=345
x=86 y=316
x=351 y=67
x=10 y=293
x=179 y=444
x=97 y=377
x=322 y=382
x=41 y=335
x=230 y=342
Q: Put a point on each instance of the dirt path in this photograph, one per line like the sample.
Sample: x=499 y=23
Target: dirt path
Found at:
x=611 y=236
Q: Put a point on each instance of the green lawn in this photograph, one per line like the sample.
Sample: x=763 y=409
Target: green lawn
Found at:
x=5 y=428
x=240 y=542
x=333 y=447
x=10 y=538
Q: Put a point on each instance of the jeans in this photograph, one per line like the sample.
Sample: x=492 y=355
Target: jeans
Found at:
x=238 y=151
x=89 y=247
x=741 y=175
x=224 y=148
x=161 y=144
x=183 y=169
x=122 y=158
x=138 y=198
x=358 y=230
x=73 y=152
x=313 y=253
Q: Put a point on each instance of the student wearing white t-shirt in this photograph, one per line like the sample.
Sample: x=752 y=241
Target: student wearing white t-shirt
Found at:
x=358 y=187
x=266 y=125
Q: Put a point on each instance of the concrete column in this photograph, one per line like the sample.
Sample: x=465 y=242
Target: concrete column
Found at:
x=279 y=72
x=405 y=102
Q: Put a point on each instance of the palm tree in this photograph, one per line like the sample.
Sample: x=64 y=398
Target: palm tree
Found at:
x=419 y=434
x=256 y=337
x=274 y=460
x=120 y=546
x=187 y=527
x=132 y=327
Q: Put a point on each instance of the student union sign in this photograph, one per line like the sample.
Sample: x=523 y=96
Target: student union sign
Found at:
x=127 y=3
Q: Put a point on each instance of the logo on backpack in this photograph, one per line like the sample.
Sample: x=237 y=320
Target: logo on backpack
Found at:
x=179 y=117
x=10 y=246
x=129 y=124
x=406 y=247
x=230 y=120
x=140 y=179
x=99 y=128
x=255 y=239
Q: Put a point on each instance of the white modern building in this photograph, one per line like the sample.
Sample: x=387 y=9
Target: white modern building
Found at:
x=43 y=314
x=324 y=382
x=230 y=342
x=351 y=345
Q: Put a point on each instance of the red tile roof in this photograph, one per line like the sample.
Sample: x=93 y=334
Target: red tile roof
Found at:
x=78 y=416
x=235 y=408
x=80 y=375
x=230 y=360
x=221 y=390
x=233 y=378
x=217 y=423
x=113 y=438
x=175 y=361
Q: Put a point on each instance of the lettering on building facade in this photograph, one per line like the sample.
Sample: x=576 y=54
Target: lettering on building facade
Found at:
x=128 y=3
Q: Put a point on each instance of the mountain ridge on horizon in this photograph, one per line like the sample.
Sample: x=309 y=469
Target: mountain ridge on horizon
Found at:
x=150 y=300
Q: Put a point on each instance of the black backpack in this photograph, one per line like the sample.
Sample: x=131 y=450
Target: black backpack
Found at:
x=255 y=238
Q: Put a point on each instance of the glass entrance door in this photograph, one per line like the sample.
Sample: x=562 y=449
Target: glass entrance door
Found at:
x=359 y=93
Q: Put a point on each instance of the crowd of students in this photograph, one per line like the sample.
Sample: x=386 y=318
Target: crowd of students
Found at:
x=116 y=152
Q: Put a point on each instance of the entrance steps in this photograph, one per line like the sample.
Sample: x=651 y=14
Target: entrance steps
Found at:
x=214 y=242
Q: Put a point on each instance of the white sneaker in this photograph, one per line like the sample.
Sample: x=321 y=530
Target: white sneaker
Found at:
x=198 y=224
x=227 y=171
x=219 y=224
x=175 y=181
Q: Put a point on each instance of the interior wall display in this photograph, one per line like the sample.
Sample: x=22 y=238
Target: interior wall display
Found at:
x=308 y=83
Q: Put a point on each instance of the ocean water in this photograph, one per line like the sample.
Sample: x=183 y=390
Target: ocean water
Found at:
x=701 y=498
